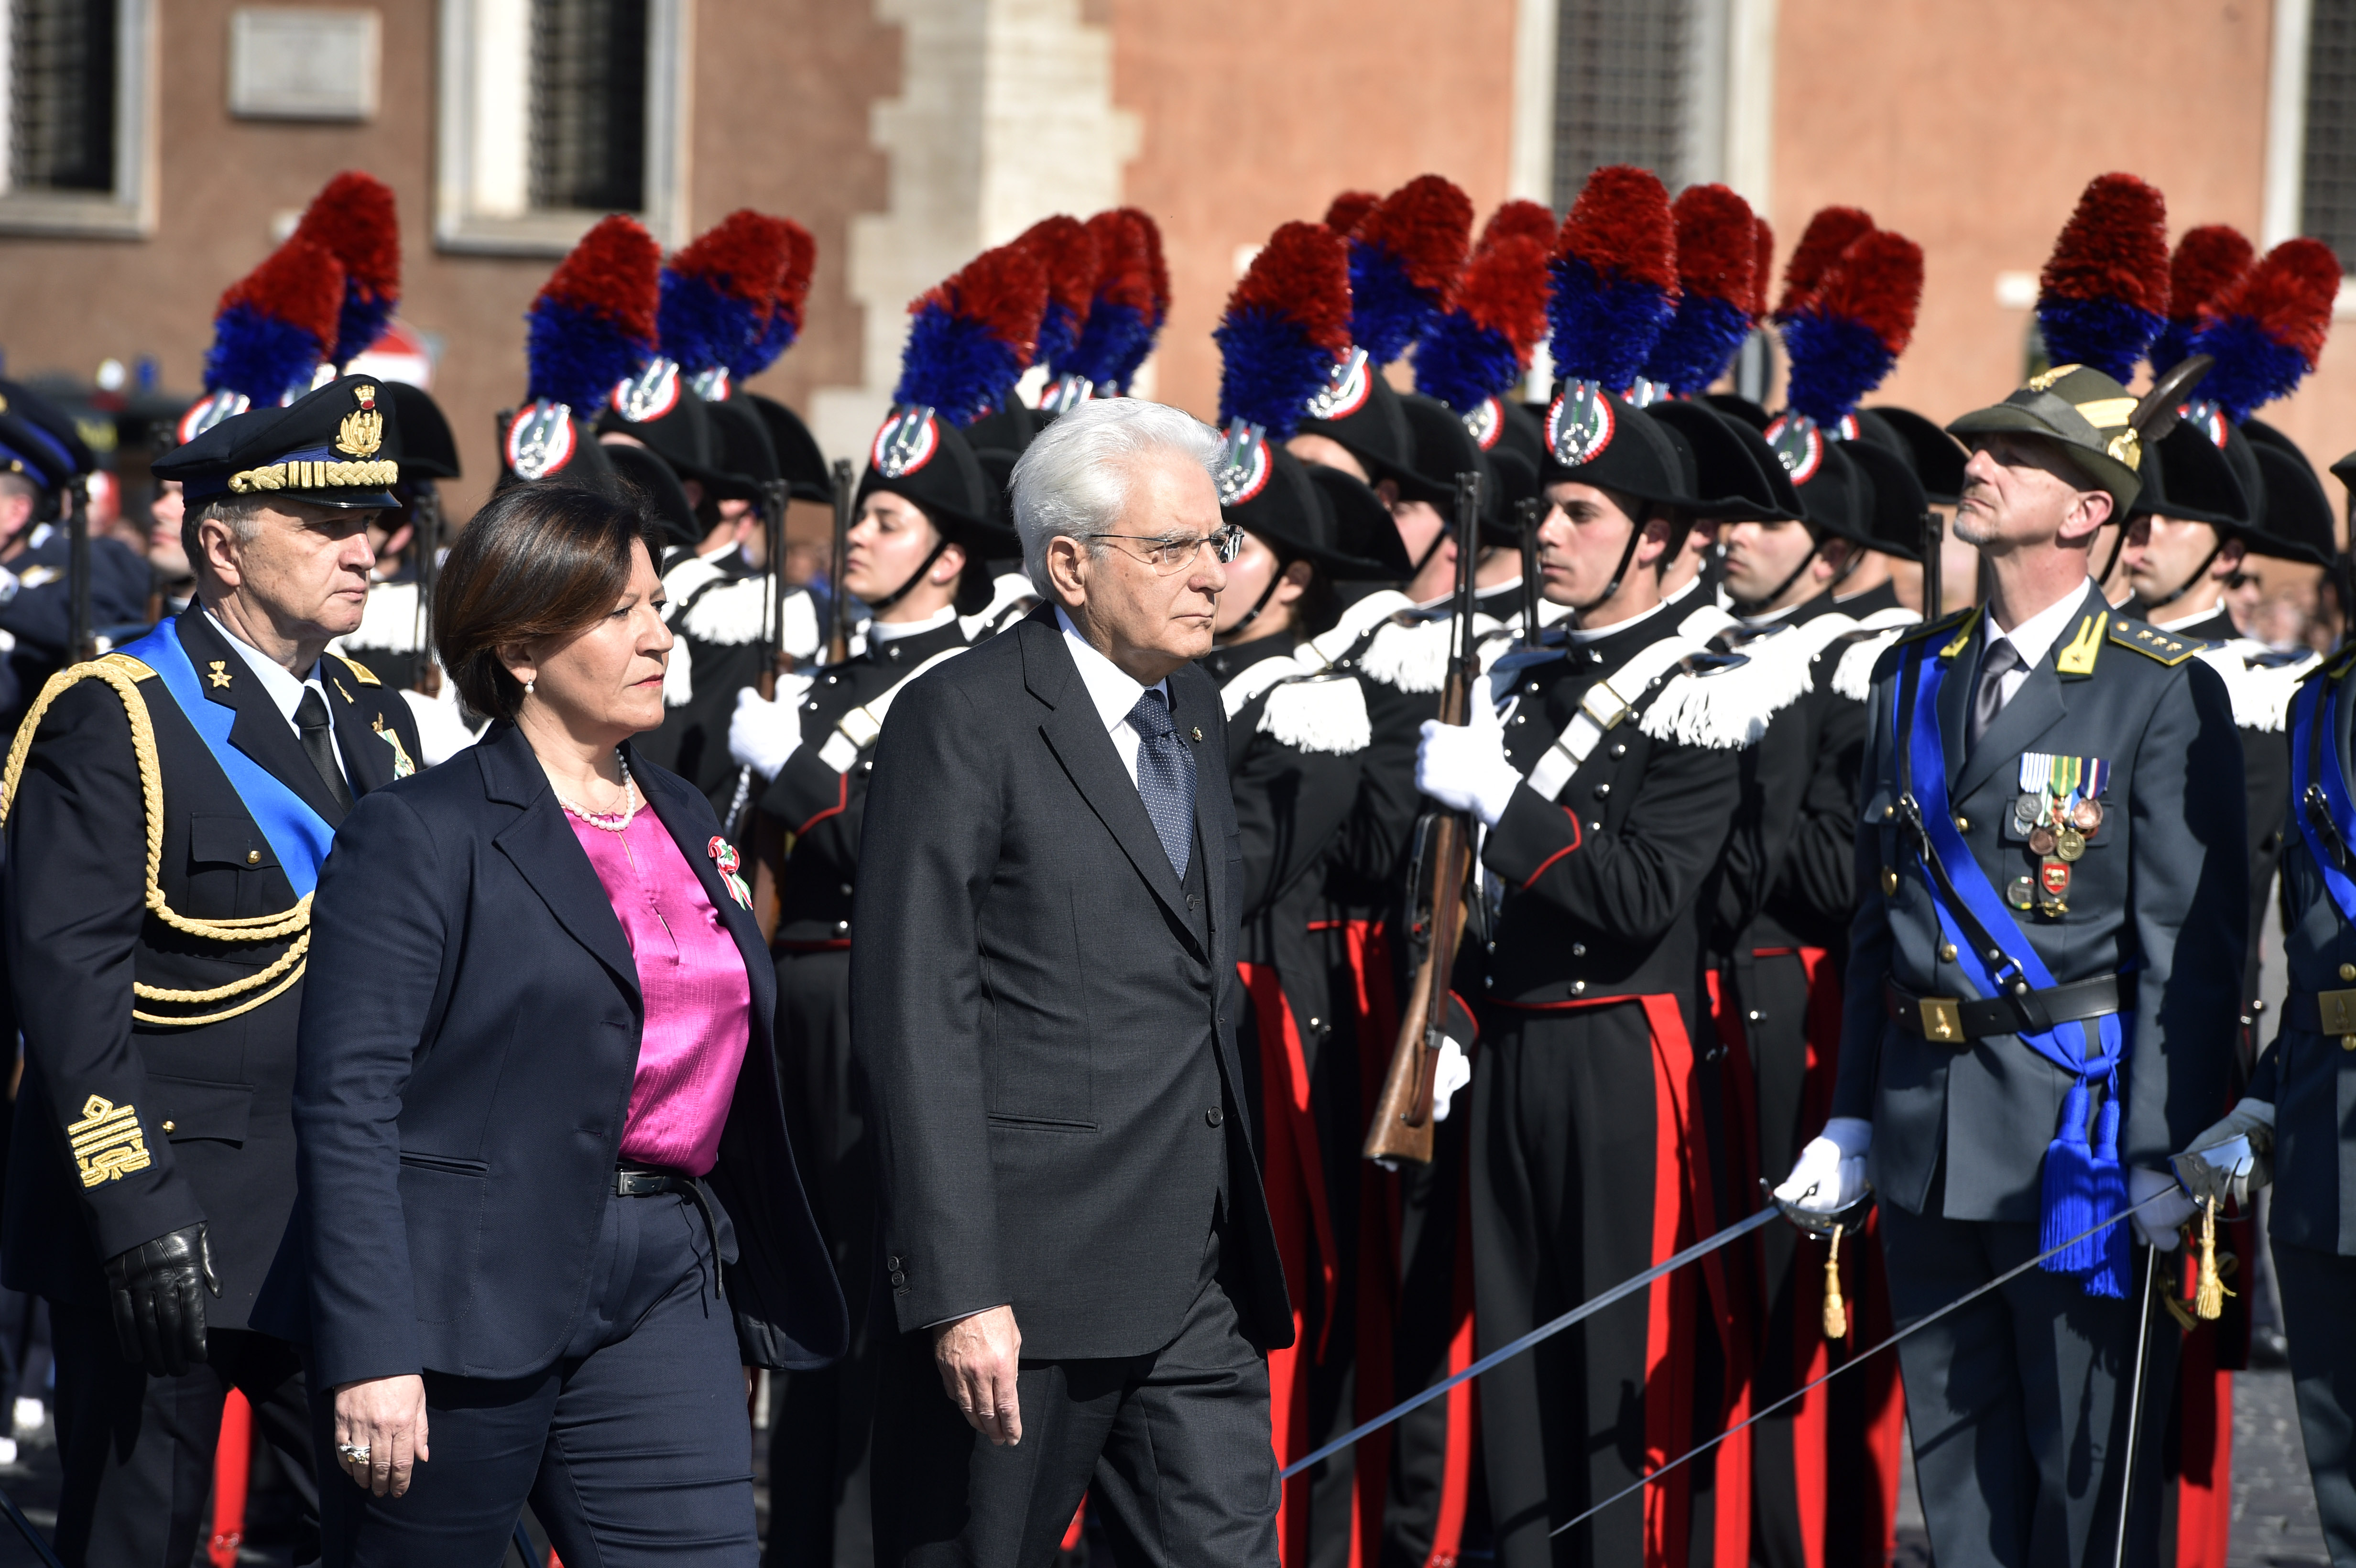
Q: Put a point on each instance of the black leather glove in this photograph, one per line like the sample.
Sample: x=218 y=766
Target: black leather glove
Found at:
x=159 y=1312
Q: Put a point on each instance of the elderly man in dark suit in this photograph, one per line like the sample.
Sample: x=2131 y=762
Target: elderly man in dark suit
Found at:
x=1043 y=994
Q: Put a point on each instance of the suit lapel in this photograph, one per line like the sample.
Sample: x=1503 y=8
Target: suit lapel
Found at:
x=2040 y=703
x=1210 y=834
x=541 y=844
x=260 y=730
x=1084 y=746
x=368 y=761
x=672 y=812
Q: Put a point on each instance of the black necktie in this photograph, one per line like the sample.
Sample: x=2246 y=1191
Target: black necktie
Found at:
x=319 y=744
x=1987 y=701
x=1165 y=778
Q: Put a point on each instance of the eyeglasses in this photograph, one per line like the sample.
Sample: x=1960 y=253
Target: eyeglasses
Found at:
x=1167 y=554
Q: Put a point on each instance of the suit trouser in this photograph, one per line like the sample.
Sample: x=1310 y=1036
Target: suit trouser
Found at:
x=635 y=1447
x=2317 y=1288
x=2019 y=1402
x=1170 y=1447
x=138 y=1451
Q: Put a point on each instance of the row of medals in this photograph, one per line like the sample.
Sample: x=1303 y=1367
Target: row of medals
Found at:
x=2058 y=824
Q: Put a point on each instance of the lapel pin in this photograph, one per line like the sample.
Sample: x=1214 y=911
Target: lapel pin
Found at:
x=1197 y=734
x=219 y=673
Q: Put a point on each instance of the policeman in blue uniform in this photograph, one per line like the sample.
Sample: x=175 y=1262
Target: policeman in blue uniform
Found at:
x=2045 y=965
x=168 y=808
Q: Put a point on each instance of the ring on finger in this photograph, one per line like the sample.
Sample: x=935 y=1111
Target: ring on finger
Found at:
x=352 y=1453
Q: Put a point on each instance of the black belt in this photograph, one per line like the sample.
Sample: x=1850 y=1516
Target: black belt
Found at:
x=2321 y=1012
x=1950 y=1020
x=645 y=1181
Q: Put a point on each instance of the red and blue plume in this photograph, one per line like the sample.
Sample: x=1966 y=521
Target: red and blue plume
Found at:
x=1157 y=271
x=1831 y=231
x=1118 y=327
x=353 y=220
x=1529 y=220
x=785 y=306
x=974 y=336
x=1718 y=259
x=2104 y=294
x=275 y=325
x=2267 y=331
x=1067 y=253
x=1847 y=336
x=1762 y=271
x=1615 y=277
x=593 y=323
x=1404 y=258
x=720 y=291
x=1286 y=327
x=1479 y=346
x=1342 y=213
x=2208 y=261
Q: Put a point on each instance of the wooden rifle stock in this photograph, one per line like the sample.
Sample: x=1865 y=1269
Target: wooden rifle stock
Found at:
x=1403 y=1125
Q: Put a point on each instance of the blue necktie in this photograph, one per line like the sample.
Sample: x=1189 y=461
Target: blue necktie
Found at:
x=1165 y=777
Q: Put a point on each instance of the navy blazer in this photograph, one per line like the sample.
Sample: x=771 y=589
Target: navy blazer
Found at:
x=460 y=1090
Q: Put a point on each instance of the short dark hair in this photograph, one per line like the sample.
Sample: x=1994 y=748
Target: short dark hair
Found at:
x=538 y=561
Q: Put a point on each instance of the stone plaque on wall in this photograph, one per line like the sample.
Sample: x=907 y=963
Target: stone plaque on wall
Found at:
x=304 y=63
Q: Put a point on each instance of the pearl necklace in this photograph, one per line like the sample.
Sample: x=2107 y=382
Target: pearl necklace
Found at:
x=610 y=821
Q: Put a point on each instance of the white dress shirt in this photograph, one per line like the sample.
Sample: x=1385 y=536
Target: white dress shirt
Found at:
x=280 y=683
x=2032 y=640
x=1112 y=689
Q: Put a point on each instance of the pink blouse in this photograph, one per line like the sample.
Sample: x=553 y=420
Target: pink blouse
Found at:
x=698 y=1001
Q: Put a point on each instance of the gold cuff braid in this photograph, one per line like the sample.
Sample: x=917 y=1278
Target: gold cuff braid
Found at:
x=117 y=671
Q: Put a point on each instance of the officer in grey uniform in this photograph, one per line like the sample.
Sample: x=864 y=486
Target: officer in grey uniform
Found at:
x=2045 y=964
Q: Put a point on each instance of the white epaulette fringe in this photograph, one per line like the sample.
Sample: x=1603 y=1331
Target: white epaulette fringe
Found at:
x=2261 y=691
x=1308 y=708
x=1413 y=655
x=1853 y=676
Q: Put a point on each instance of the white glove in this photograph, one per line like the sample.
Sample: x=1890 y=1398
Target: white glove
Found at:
x=2156 y=1226
x=1463 y=766
x=1453 y=1071
x=764 y=734
x=1829 y=1175
x=2203 y=1178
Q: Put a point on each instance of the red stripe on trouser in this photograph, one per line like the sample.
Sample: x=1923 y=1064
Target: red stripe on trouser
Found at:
x=2204 y=1504
x=1074 y=1530
x=1376 y=1017
x=1295 y=1178
x=233 y=1461
x=1456 y=1478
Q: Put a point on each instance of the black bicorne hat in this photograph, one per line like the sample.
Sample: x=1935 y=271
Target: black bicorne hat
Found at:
x=547 y=441
x=1296 y=514
x=2296 y=522
x=1372 y=427
x=338 y=447
x=1737 y=477
x=1936 y=457
x=1595 y=437
x=741 y=442
x=639 y=475
x=1445 y=447
x=658 y=410
x=428 y=450
x=799 y=462
x=1894 y=502
x=1737 y=408
x=923 y=456
x=2186 y=476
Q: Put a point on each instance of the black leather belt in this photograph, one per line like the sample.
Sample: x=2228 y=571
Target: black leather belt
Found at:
x=645 y=1181
x=2321 y=1012
x=1952 y=1020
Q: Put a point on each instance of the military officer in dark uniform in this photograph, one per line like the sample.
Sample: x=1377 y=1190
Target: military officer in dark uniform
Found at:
x=2040 y=998
x=167 y=813
x=1607 y=780
x=916 y=554
x=40 y=460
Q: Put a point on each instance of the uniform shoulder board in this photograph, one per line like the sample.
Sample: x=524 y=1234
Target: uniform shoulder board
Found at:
x=2165 y=647
x=128 y=665
x=2260 y=681
x=1960 y=620
x=360 y=672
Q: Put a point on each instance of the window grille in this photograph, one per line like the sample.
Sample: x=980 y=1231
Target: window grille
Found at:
x=1624 y=81
x=62 y=71
x=2328 y=181
x=589 y=104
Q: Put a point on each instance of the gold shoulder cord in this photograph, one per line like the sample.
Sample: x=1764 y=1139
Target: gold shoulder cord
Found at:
x=123 y=673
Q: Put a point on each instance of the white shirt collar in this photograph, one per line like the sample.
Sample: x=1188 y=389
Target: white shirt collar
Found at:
x=1583 y=635
x=1112 y=689
x=284 y=690
x=887 y=630
x=2182 y=621
x=2035 y=637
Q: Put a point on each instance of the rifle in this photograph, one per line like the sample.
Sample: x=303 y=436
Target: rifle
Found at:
x=426 y=545
x=82 y=637
x=1402 y=1126
x=838 y=633
x=1935 y=540
x=1527 y=513
x=767 y=836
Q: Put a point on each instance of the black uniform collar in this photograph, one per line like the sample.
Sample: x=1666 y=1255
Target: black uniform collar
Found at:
x=1603 y=654
x=2217 y=626
x=1882 y=595
x=908 y=652
x=1223 y=665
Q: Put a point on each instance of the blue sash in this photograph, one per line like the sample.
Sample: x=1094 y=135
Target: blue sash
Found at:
x=298 y=836
x=2081 y=1184
x=2310 y=714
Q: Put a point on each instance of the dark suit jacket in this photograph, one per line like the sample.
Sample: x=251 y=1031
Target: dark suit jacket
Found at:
x=2159 y=899
x=212 y=1101
x=1034 y=1008
x=461 y=1094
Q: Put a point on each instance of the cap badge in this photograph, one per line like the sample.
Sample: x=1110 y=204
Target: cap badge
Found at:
x=2044 y=380
x=1485 y=423
x=1348 y=386
x=1643 y=394
x=540 y=440
x=2127 y=447
x=365 y=396
x=2208 y=416
x=210 y=410
x=710 y=385
x=1580 y=424
x=362 y=431
x=1244 y=462
x=1065 y=393
x=1798 y=444
x=909 y=439
x=651 y=394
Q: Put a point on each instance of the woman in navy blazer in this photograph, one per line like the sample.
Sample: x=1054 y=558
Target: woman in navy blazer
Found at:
x=536 y=1099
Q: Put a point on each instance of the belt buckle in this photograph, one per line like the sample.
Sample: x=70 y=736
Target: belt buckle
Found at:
x=1607 y=712
x=2335 y=1011
x=1942 y=1018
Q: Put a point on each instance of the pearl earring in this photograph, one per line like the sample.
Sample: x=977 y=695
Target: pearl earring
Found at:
x=527 y=687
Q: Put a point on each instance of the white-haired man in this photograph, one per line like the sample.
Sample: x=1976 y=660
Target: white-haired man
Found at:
x=1077 y=1250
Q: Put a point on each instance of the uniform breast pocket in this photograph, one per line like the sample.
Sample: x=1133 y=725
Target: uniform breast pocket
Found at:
x=189 y=1108
x=227 y=859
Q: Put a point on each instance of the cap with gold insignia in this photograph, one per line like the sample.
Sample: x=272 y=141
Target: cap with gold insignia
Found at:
x=2083 y=410
x=338 y=446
